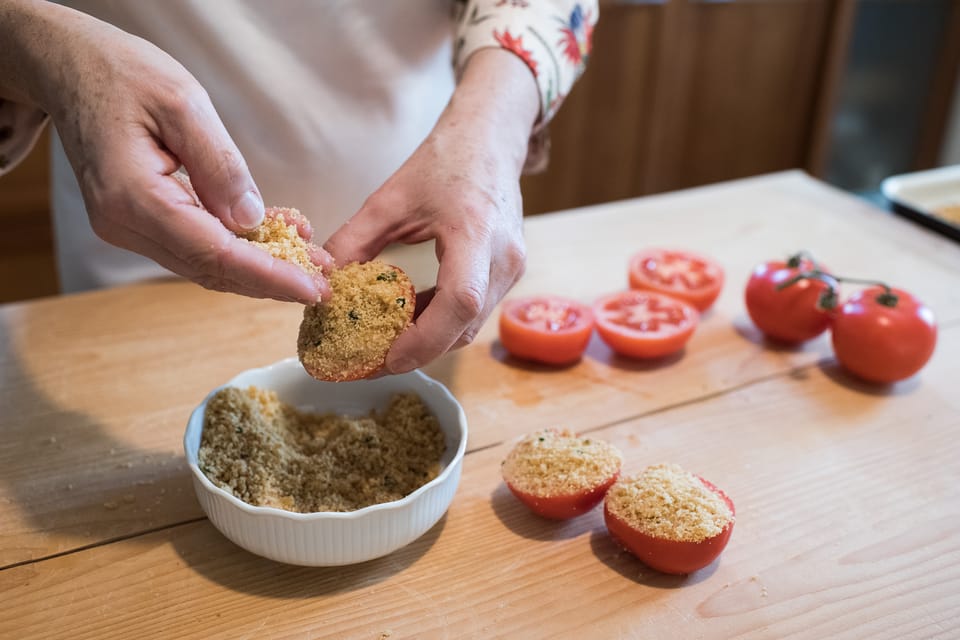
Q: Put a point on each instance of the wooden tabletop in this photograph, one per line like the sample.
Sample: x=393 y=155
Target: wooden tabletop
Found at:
x=847 y=495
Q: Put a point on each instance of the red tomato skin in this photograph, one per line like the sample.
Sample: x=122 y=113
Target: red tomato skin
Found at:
x=670 y=556
x=701 y=299
x=564 y=507
x=788 y=315
x=883 y=344
x=637 y=345
x=562 y=347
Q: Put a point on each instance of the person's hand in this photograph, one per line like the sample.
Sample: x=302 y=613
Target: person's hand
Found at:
x=460 y=188
x=129 y=115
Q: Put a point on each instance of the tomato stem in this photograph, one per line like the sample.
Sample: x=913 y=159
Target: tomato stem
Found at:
x=796 y=260
x=829 y=298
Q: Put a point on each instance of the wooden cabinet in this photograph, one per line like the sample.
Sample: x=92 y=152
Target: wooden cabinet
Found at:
x=680 y=93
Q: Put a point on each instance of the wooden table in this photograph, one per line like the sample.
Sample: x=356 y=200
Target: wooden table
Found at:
x=848 y=496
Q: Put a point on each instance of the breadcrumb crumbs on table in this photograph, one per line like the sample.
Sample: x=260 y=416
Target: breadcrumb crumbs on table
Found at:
x=554 y=463
x=669 y=503
x=267 y=453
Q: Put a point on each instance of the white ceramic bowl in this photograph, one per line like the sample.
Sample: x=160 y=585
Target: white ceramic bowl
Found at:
x=328 y=538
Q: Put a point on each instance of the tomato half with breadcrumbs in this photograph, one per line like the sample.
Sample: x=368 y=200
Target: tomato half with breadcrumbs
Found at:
x=559 y=475
x=672 y=520
x=547 y=329
x=644 y=324
x=691 y=277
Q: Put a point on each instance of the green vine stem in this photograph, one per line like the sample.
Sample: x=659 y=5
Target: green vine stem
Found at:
x=829 y=298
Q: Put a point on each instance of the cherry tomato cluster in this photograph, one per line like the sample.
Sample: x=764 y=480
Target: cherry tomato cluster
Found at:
x=670 y=556
x=880 y=334
x=654 y=318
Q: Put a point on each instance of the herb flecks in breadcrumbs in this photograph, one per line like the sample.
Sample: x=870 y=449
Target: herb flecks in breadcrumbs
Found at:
x=267 y=453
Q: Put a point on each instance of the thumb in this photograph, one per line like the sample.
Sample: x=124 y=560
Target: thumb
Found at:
x=362 y=237
x=218 y=172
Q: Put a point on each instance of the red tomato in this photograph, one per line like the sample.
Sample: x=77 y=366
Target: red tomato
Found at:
x=882 y=338
x=563 y=507
x=681 y=274
x=790 y=314
x=644 y=324
x=670 y=556
x=546 y=329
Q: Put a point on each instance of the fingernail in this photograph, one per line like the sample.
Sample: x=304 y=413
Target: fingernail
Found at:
x=248 y=212
x=402 y=365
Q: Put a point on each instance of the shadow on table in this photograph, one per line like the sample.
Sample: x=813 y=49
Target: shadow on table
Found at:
x=520 y=520
x=238 y=570
x=612 y=555
x=72 y=483
x=839 y=375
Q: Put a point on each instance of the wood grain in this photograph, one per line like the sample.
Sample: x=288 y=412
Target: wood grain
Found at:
x=848 y=525
x=846 y=495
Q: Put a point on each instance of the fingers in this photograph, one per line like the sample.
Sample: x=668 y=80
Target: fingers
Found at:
x=192 y=130
x=364 y=235
x=459 y=301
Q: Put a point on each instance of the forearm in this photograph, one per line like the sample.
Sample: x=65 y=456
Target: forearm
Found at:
x=497 y=99
x=27 y=29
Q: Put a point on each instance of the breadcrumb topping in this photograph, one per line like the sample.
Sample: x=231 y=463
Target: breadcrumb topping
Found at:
x=349 y=335
x=669 y=503
x=269 y=454
x=278 y=235
x=554 y=463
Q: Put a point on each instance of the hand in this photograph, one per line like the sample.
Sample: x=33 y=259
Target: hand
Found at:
x=129 y=115
x=460 y=188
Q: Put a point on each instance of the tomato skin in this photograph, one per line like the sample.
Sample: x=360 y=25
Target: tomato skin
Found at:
x=693 y=278
x=547 y=329
x=880 y=343
x=670 y=556
x=613 y=318
x=790 y=315
x=563 y=507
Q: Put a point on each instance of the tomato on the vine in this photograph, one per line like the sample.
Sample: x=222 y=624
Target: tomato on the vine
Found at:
x=546 y=329
x=883 y=335
x=790 y=314
x=693 y=278
x=644 y=324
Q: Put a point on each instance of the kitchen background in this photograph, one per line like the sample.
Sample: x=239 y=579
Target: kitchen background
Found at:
x=681 y=93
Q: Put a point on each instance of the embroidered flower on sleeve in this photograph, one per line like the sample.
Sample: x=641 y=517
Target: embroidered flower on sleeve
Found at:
x=515 y=45
x=576 y=37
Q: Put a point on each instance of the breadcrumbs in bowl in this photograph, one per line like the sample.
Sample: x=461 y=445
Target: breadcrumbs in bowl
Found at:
x=558 y=474
x=348 y=532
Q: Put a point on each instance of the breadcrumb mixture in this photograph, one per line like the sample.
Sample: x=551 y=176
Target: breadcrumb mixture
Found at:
x=349 y=335
x=268 y=453
x=667 y=502
x=552 y=463
x=278 y=236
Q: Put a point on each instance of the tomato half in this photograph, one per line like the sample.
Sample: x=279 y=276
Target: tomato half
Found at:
x=546 y=329
x=681 y=274
x=644 y=324
x=675 y=557
x=882 y=338
x=559 y=475
x=790 y=314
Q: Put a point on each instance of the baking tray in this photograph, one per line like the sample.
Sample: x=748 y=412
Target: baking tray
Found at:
x=922 y=195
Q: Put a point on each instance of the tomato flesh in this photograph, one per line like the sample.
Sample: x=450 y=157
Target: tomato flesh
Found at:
x=670 y=556
x=644 y=324
x=791 y=314
x=563 y=507
x=546 y=329
x=692 y=278
x=881 y=343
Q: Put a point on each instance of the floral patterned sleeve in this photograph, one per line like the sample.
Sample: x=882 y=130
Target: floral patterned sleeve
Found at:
x=20 y=126
x=552 y=37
